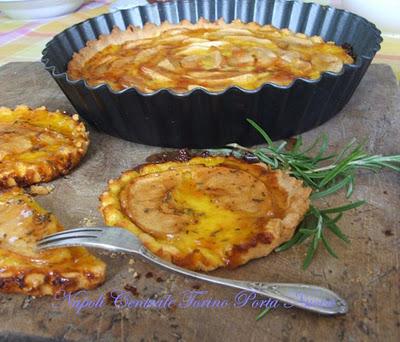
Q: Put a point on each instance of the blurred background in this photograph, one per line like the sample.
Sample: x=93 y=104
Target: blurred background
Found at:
x=26 y=25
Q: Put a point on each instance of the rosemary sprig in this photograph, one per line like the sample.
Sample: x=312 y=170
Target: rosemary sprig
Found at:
x=326 y=174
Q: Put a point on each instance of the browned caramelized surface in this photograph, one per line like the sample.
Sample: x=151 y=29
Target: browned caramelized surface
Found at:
x=208 y=55
x=23 y=269
x=206 y=212
x=37 y=145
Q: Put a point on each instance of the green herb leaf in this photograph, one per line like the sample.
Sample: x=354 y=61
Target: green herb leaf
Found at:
x=310 y=252
x=334 y=188
x=261 y=131
x=293 y=241
x=332 y=226
x=343 y=208
x=328 y=247
x=350 y=187
x=263 y=313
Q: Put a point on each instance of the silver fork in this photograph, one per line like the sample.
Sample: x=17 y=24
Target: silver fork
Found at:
x=307 y=297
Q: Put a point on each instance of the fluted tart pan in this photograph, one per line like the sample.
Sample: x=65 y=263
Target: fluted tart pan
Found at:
x=200 y=118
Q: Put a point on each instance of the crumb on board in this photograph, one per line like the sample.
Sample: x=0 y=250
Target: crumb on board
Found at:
x=40 y=189
x=109 y=298
x=388 y=232
x=131 y=289
x=27 y=302
x=87 y=222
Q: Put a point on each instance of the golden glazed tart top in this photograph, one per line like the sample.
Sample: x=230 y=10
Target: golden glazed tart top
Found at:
x=37 y=145
x=209 y=55
x=207 y=212
x=23 y=269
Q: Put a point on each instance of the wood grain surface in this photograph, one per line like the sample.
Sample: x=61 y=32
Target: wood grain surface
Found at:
x=367 y=273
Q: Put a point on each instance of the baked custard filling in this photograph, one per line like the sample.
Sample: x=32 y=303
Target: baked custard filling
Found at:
x=213 y=56
x=187 y=207
x=207 y=212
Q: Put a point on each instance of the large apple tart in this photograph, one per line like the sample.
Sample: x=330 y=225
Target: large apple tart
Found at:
x=23 y=269
x=207 y=212
x=209 y=55
x=37 y=145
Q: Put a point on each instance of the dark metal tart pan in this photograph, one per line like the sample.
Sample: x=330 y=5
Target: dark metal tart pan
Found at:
x=202 y=119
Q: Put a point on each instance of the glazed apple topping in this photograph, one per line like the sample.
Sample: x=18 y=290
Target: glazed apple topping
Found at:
x=207 y=55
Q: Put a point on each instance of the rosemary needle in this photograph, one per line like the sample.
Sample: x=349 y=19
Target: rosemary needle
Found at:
x=263 y=313
x=325 y=173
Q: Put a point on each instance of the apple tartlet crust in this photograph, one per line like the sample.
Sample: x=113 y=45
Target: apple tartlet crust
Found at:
x=51 y=272
x=207 y=212
x=37 y=145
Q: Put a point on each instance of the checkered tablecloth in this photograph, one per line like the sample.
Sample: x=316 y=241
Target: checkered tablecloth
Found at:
x=23 y=40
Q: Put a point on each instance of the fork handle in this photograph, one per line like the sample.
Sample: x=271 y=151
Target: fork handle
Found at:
x=308 y=297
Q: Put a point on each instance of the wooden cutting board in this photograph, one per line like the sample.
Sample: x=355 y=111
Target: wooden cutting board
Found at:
x=367 y=273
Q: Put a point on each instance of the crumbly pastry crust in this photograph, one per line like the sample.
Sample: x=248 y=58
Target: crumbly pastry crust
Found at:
x=37 y=145
x=23 y=269
x=207 y=212
x=278 y=62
